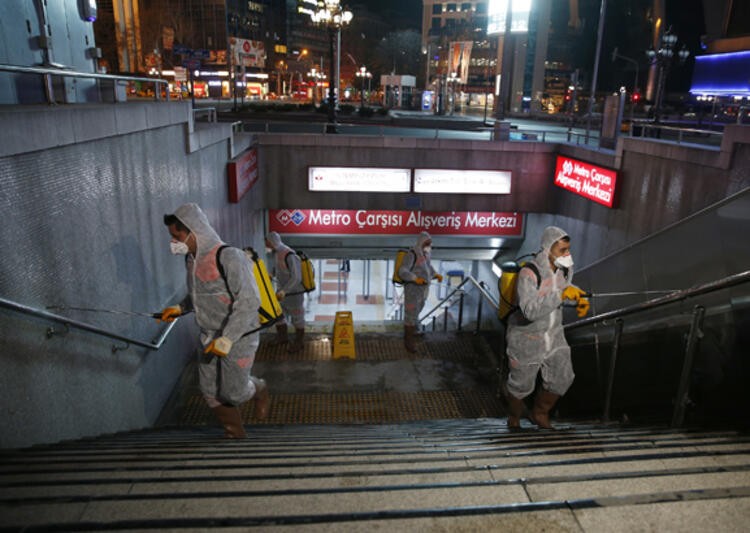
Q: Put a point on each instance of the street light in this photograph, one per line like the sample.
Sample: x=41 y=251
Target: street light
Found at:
x=333 y=17
x=635 y=95
x=363 y=73
x=663 y=59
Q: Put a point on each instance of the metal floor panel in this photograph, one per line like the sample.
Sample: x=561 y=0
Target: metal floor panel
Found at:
x=383 y=384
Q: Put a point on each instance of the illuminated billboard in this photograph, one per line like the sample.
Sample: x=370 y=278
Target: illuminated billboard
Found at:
x=355 y=179
x=519 y=20
x=431 y=180
x=584 y=179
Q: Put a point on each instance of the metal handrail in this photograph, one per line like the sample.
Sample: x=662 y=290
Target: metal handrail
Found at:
x=459 y=288
x=682 y=399
x=48 y=71
x=729 y=281
x=67 y=322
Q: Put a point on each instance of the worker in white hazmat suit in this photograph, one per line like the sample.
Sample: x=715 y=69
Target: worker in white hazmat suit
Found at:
x=289 y=290
x=226 y=310
x=535 y=337
x=417 y=272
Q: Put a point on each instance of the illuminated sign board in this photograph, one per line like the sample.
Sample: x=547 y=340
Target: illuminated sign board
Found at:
x=587 y=180
x=242 y=173
x=462 y=181
x=366 y=222
x=519 y=18
x=359 y=179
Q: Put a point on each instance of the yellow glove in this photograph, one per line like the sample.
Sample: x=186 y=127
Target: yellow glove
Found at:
x=219 y=347
x=583 y=307
x=168 y=314
x=420 y=281
x=572 y=292
x=439 y=277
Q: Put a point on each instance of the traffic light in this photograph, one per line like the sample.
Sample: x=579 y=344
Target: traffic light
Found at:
x=636 y=97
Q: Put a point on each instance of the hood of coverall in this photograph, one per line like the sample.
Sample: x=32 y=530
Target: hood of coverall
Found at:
x=196 y=221
x=275 y=239
x=421 y=239
x=550 y=236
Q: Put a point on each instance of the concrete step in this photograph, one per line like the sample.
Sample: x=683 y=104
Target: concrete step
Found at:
x=444 y=473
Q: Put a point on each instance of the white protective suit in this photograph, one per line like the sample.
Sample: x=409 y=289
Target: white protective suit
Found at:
x=223 y=380
x=288 y=274
x=535 y=338
x=416 y=265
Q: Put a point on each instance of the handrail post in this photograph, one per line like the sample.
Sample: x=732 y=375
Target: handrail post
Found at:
x=434 y=319
x=460 y=310
x=696 y=333
x=479 y=313
x=445 y=319
x=612 y=363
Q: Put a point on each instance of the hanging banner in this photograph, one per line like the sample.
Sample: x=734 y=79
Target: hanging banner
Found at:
x=460 y=56
x=587 y=180
x=366 y=222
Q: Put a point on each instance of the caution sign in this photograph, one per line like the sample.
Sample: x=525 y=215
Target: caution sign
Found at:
x=343 y=335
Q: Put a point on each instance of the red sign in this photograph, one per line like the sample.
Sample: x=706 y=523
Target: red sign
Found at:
x=587 y=180
x=364 y=222
x=242 y=173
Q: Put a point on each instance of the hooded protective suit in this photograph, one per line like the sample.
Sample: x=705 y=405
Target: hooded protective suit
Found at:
x=416 y=265
x=223 y=380
x=288 y=274
x=535 y=337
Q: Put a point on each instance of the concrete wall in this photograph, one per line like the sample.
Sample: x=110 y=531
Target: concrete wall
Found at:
x=284 y=159
x=83 y=192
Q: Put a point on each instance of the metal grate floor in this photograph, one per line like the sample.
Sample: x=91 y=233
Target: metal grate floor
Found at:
x=359 y=407
x=384 y=384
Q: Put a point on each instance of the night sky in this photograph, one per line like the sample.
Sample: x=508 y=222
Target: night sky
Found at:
x=404 y=13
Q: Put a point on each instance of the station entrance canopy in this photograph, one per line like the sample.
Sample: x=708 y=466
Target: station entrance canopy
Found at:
x=378 y=233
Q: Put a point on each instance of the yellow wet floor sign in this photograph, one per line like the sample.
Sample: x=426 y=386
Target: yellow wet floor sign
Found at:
x=343 y=335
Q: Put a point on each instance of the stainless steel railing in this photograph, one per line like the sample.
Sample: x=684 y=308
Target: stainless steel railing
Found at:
x=678 y=415
x=70 y=323
x=48 y=73
x=457 y=295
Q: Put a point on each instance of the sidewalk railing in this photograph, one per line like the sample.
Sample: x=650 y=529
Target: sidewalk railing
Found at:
x=49 y=73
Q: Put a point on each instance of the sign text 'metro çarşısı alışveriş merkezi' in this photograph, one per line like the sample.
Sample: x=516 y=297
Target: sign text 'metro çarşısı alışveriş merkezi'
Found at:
x=369 y=222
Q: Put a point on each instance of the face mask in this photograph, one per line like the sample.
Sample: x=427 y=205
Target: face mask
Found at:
x=427 y=249
x=269 y=250
x=178 y=248
x=565 y=261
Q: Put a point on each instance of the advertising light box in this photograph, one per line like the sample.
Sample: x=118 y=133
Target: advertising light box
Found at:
x=353 y=179
x=587 y=180
x=368 y=222
x=242 y=173
x=462 y=181
x=519 y=18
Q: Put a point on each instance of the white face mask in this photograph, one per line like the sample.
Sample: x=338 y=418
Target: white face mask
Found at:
x=565 y=261
x=178 y=248
x=269 y=250
x=427 y=249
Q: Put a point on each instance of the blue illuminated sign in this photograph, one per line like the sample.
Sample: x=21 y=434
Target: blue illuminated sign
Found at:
x=722 y=74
